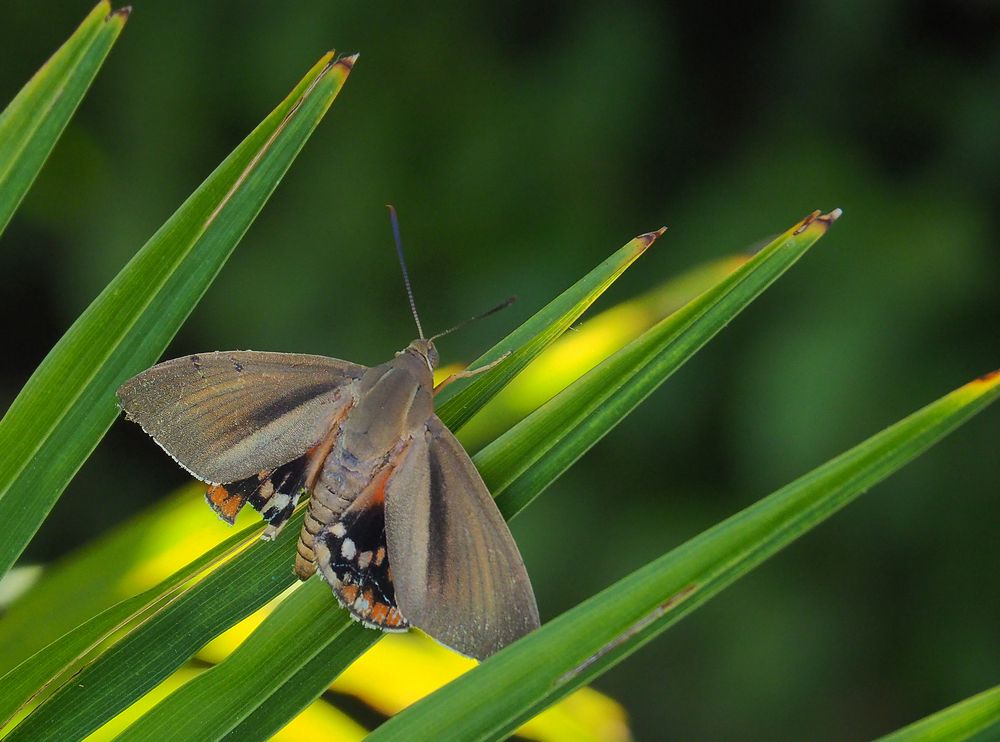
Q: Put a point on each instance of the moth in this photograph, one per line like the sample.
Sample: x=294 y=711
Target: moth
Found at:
x=399 y=522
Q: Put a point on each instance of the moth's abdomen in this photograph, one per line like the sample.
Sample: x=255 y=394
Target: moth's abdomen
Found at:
x=337 y=486
x=352 y=555
x=317 y=516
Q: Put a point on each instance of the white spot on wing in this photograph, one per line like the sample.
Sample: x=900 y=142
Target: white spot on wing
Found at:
x=338 y=530
x=347 y=549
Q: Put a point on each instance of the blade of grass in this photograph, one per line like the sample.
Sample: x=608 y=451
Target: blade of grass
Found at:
x=519 y=464
x=31 y=124
x=307 y=609
x=130 y=559
x=589 y=639
x=524 y=343
x=19 y=632
x=978 y=715
x=575 y=353
x=69 y=402
x=633 y=372
x=539 y=332
x=45 y=669
x=149 y=653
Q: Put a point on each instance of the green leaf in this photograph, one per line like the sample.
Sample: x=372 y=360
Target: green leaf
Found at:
x=106 y=686
x=534 y=336
x=45 y=669
x=107 y=571
x=979 y=715
x=280 y=640
x=519 y=464
x=633 y=372
x=581 y=644
x=69 y=402
x=149 y=653
x=31 y=124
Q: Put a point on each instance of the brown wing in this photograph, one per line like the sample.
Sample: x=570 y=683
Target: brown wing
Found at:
x=226 y=416
x=457 y=572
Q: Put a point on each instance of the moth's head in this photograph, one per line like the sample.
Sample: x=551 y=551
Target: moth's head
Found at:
x=426 y=350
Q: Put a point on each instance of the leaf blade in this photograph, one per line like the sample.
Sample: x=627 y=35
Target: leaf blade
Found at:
x=971 y=716
x=536 y=334
x=603 y=630
x=309 y=682
x=33 y=121
x=69 y=403
x=519 y=464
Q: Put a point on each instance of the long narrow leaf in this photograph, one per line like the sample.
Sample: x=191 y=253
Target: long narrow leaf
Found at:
x=978 y=715
x=69 y=402
x=19 y=630
x=45 y=669
x=31 y=124
x=150 y=653
x=131 y=558
x=633 y=372
x=589 y=639
x=116 y=687
x=527 y=458
x=280 y=639
x=539 y=332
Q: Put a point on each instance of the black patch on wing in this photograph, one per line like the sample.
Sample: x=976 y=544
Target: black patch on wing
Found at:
x=437 y=524
x=273 y=493
x=283 y=405
x=356 y=565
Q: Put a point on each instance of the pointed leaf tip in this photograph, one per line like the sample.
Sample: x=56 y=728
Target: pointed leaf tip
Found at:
x=123 y=12
x=649 y=238
x=826 y=220
x=989 y=379
x=348 y=61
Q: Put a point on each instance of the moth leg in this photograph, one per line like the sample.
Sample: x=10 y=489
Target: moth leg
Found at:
x=467 y=374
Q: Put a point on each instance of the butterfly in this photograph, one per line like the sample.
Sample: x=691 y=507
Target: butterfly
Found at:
x=399 y=522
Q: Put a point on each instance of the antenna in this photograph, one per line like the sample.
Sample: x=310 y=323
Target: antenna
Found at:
x=402 y=264
x=502 y=305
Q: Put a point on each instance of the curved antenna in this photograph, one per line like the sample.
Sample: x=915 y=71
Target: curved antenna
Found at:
x=502 y=305
x=402 y=264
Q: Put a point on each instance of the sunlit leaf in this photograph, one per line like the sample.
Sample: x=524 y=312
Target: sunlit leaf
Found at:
x=570 y=420
x=589 y=639
x=539 y=332
x=69 y=402
x=519 y=464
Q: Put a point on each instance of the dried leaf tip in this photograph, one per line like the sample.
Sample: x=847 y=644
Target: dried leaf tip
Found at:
x=649 y=238
x=833 y=216
x=347 y=61
x=123 y=12
x=989 y=378
x=826 y=220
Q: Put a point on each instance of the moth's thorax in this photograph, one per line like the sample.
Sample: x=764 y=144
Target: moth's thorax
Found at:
x=424 y=350
x=394 y=400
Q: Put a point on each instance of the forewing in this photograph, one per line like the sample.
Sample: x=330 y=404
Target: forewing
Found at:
x=458 y=573
x=226 y=416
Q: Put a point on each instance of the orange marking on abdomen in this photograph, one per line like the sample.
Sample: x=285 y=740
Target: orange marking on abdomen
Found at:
x=379 y=484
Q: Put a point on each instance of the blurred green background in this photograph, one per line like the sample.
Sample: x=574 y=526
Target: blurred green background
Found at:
x=522 y=144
